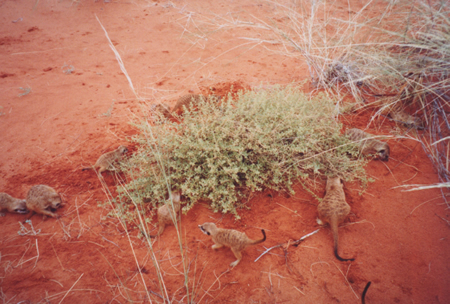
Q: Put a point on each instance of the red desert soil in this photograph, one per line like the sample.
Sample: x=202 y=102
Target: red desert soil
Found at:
x=80 y=105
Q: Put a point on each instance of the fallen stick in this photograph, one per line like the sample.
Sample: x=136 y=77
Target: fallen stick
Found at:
x=293 y=243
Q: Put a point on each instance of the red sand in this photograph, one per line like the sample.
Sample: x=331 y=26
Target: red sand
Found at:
x=68 y=119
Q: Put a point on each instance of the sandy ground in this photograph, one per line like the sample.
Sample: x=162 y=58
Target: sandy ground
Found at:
x=65 y=101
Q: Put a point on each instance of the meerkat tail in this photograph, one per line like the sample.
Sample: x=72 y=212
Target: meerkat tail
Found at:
x=261 y=240
x=334 y=230
x=363 y=296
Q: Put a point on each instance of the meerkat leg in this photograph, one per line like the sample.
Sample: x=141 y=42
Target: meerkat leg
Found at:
x=49 y=213
x=216 y=246
x=238 y=255
x=160 y=230
x=32 y=212
x=162 y=226
x=102 y=169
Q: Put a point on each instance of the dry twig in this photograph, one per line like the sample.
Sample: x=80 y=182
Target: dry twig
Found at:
x=295 y=243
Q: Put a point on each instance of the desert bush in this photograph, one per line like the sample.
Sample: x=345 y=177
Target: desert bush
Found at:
x=262 y=139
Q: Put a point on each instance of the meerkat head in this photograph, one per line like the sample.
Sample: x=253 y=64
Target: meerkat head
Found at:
x=383 y=151
x=408 y=120
x=417 y=122
x=176 y=196
x=19 y=206
x=55 y=201
x=334 y=183
x=207 y=228
x=122 y=149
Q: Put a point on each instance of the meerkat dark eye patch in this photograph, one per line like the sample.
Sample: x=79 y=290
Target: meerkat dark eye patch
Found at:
x=381 y=151
x=203 y=230
x=21 y=210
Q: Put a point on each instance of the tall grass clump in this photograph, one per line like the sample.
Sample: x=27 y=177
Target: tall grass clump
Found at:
x=396 y=60
x=418 y=75
x=399 y=60
x=266 y=139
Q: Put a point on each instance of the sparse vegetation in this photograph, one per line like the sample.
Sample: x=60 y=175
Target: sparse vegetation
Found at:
x=109 y=111
x=68 y=69
x=263 y=139
x=25 y=91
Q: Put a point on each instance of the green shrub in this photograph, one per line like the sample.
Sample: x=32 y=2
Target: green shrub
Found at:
x=263 y=139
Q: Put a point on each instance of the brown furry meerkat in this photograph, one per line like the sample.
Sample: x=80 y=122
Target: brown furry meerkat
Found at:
x=12 y=204
x=106 y=161
x=186 y=101
x=44 y=200
x=370 y=145
x=167 y=214
x=162 y=108
x=407 y=119
x=333 y=209
x=234 y=239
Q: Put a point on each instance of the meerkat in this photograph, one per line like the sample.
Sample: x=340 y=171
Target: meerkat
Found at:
x=167 y=214
x=44 y=200
x=12 y=204
x=234 y=239
x=106 y=161
x=407 y=119
x=333 y=209
x=162 y=108
x=187 y=100
x=369 y=146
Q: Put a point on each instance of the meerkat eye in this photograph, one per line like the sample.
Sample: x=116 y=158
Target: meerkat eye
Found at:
x=381 y=151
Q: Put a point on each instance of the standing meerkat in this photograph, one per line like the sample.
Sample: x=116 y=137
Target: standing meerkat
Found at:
x=167 y=214
x=187 y=100
x=106 y=161
x=234 y=239
x=370 y=145
x=12 y=204
x=44 y=200
x=333 y=209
